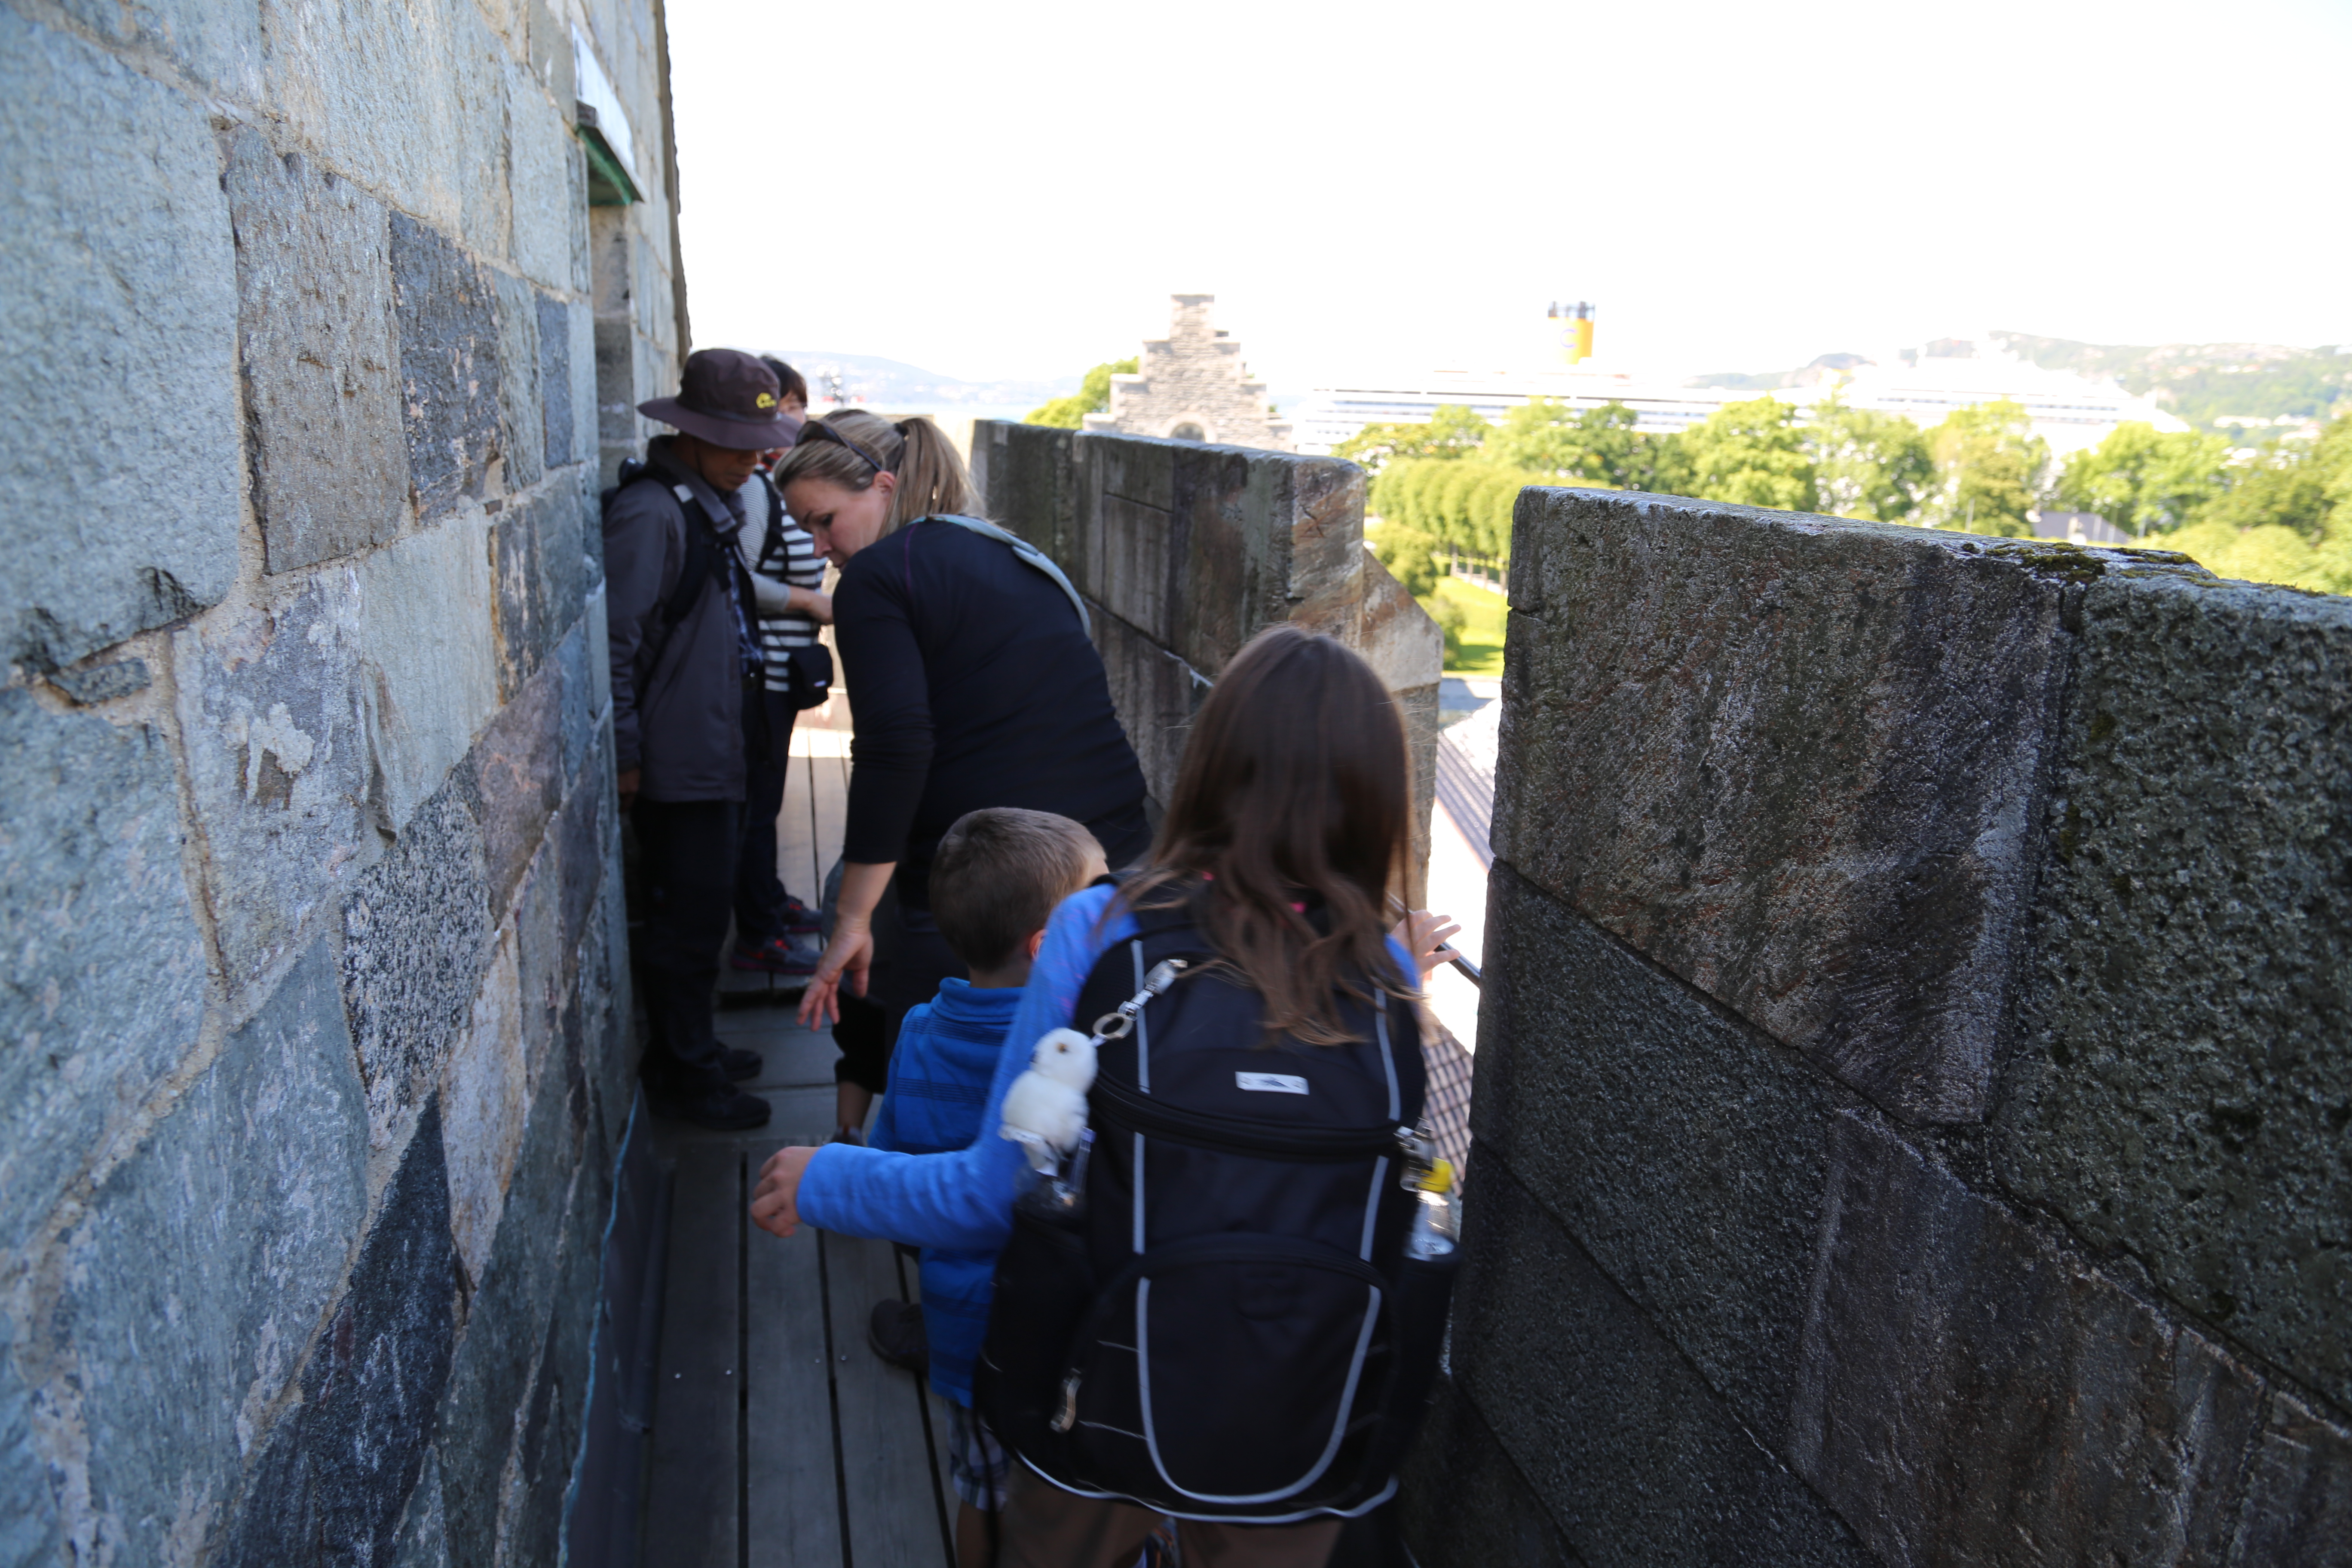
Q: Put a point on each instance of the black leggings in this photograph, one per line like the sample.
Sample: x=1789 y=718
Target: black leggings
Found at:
x=686 y=850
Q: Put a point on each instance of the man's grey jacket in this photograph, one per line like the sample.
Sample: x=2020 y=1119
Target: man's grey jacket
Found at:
x=678 y=694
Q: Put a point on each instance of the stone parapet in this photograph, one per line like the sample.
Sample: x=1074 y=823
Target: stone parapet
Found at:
x=317 y=1004
x=1185 y=552
x=1911 y=1049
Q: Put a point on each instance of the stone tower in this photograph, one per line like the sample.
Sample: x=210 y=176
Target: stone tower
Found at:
x=1193 y=387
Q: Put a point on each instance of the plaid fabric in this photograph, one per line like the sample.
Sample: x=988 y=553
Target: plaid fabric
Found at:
x=977 y=1463
x=1447 y=1062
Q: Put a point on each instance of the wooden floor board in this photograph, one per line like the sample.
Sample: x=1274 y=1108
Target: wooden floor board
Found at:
x=691 y=1506
x=887 y=1464
x=795 y=1490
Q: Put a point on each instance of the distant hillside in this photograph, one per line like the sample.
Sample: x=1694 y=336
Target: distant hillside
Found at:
x=2202 y=382
x=886 y=382
x=2197 y=382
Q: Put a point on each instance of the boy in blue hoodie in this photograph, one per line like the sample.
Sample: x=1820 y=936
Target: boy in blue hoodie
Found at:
x=997 y=876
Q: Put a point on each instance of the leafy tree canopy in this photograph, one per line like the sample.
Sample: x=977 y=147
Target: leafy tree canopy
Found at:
x=1593 y=447
x=1750 y=454
x=1453 y=431
x=1988 y=468
x=2142 y=480
x=1868 y=464
x=1092 y=396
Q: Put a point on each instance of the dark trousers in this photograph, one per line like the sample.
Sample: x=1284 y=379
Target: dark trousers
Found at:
x=686 y=854
x=759 y=893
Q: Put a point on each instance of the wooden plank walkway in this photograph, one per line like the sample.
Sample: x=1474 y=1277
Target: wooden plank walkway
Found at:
x=779 y=1439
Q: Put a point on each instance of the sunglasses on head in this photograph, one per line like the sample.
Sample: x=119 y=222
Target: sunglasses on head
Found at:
x=818 y=430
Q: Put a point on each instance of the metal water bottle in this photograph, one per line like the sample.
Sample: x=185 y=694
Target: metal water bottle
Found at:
x=1436 y=1219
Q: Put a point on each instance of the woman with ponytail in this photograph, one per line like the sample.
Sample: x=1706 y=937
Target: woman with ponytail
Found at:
x=974 y=683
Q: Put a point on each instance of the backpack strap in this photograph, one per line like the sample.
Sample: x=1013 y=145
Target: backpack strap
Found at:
x=701 y=549
x=1027 y=551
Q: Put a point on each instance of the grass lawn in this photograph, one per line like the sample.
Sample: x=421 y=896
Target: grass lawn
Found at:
x=1479 y=650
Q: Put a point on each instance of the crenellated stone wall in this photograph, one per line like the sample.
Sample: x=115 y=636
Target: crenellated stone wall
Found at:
x=314 y=1055
x=1915 y=1058
x=1184 y=552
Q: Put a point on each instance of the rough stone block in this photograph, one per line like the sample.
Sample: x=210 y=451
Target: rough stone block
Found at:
x=279 y=770
x=424 y=1538
x=119 y=311
x=431 y=672
x=335 y=1480
x=2298 y=1491
x=2184 y=1076
x=557 y=416
x=484 y=1095
x=1632 y=1455
x=104 y=682
x=1680 y=1147
x=1795 y=760
x=218 y=42
x=1462 y=1503
x=416 y=939
x=617 y=433
x=579 y=705
x=600 y=631
x=203 y=1266
x=491 y=1383
x=522 y=403
x=1155 y=695
x=519 y=777
x=540 y=146
x=321 y=366
x=90 y=852
x=450 y=363
x=349 y=80
x=539 y=563
x=30 y=1530
x=1968 y=1385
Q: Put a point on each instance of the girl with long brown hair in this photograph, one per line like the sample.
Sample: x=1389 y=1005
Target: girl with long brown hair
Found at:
x=1283 y=845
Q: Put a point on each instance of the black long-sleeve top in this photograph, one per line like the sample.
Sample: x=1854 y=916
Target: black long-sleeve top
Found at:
x=973 y=685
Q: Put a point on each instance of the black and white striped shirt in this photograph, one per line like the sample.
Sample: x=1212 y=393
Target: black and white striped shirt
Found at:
x=784 y=554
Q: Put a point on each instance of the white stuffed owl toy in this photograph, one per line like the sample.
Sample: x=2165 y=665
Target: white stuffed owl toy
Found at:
x=1046 y=1109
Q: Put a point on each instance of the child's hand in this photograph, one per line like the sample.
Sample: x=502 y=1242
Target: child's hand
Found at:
x=773 y=1202
x=1424 y=936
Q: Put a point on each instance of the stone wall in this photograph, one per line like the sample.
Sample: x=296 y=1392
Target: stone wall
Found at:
x=315 y=1014
x=1185 y=552
x=1915 y=1058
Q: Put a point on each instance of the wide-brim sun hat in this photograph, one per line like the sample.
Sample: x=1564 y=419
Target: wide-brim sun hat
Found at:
x=730 y=400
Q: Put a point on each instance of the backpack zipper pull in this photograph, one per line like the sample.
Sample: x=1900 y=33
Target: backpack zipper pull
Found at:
x=1067 y=1416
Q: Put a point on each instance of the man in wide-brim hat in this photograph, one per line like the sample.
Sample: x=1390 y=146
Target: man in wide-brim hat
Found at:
x=685 y=663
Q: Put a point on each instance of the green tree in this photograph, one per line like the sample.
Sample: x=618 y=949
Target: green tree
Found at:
x=1092 y=397
x=1453 y=431
x=1868 y=464
x=1989 y=469
x=1750 y=454
x=1594 y=446
x=2142 y=480
x=1410 y=556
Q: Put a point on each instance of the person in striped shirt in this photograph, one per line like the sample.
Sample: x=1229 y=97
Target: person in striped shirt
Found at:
x=788 y=582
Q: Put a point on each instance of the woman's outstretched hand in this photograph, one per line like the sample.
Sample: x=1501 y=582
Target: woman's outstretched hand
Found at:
x=1425 y=936
x=847 y=959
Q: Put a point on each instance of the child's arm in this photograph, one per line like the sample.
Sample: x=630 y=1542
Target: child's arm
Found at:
x=963 y=1199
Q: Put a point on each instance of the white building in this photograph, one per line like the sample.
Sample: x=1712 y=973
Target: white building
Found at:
x=2068 y=411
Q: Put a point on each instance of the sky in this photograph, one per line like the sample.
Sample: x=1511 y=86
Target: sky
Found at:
x=1013 y=190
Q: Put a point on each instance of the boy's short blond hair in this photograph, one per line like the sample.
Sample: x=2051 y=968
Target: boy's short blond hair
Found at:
x=997 y=876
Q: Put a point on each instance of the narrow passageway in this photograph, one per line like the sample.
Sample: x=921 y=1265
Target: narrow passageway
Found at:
x=779 y=1439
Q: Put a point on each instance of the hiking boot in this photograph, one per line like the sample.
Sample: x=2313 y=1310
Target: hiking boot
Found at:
x=722 y=1108
x=895 y=1332
x=799 y=920
x=738 y=1065
x=777 y=955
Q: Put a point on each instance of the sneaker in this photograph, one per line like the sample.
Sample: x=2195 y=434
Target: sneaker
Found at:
x=738 y=1065
x=895 y=1330
x=724 y=1108
x=777 y=955
x=799 y=920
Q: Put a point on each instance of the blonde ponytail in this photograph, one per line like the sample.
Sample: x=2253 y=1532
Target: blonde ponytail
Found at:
x=932 y=475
